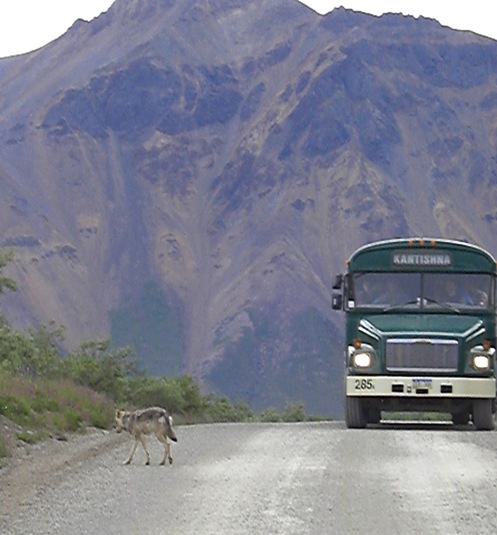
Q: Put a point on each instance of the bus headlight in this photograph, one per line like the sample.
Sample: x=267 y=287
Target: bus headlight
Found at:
x=361 y=356
x=361 y=359
x=481 y=362
x=482 y=357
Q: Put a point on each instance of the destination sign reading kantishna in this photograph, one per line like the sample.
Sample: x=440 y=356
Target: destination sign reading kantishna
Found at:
x=420 y=258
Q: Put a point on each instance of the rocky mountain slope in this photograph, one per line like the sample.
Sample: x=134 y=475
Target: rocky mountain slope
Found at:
x=187 y=176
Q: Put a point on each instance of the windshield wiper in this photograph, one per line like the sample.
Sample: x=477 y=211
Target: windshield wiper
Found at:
x=400 y=305
x=446 y=306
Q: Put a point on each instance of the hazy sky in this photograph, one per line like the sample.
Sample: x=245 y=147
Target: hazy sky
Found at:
x=29 y=24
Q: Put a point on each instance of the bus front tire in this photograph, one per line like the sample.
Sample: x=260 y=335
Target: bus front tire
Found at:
x=460 y=418
x=483 y=418
x=355 y=416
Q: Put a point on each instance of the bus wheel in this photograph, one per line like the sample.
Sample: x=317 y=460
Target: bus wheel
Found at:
x=354 y=412
x=460 y=418
x=483 y=419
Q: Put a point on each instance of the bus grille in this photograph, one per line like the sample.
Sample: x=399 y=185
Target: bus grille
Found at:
x=418 y=354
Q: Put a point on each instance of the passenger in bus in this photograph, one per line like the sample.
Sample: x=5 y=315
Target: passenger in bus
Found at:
x=398 y=294
x=457 y=294
x=389 y=293
x=482 y=299
x=366 y=292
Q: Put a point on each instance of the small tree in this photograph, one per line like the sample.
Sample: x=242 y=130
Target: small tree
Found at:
x=94 y=365
x=18 y=353
x=48 y=341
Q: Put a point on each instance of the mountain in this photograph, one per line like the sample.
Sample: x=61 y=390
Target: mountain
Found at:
x=187 y=176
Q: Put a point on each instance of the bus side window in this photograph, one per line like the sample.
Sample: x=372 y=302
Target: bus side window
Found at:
x=348 y=291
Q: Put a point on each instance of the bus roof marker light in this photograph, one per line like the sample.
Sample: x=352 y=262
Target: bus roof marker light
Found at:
x=357 y=343
x=422 y=242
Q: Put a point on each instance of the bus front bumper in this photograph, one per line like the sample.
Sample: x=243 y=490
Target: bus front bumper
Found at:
x=430 y=387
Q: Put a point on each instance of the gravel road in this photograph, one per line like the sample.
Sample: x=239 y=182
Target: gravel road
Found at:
x=317 y=478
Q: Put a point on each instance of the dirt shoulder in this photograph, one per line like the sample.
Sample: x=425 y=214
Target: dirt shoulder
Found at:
x=32 y=467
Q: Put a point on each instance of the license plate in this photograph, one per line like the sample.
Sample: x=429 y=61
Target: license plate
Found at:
x=421 y=383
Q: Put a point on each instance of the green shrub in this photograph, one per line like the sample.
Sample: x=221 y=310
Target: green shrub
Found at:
x=294 y=413
x=101 y=416
x=270 y=415
x=93 y=366
x=72 y=420
x=242 y=412
x=33 y=353
x=47 y=341
x=179 y=395
x=14 y=408
x=221 y=410
x=18 y=354
x=193 y=401
x=154 y=391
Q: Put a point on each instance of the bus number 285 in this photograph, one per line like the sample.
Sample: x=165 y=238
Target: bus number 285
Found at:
x=364 y=384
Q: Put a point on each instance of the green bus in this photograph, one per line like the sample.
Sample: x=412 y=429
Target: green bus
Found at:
x=420 y=330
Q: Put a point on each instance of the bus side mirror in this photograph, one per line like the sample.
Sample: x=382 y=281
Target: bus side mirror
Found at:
x=337 y=283
x=336 y=301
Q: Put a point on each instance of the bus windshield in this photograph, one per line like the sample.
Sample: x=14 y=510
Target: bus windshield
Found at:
x=420 y=290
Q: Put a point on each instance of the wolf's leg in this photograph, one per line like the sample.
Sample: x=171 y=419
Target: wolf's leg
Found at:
x=167 y=448
x=144 y=444
x=130 y=458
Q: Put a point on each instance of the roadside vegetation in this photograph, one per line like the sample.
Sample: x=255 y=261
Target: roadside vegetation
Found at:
x=47 y=393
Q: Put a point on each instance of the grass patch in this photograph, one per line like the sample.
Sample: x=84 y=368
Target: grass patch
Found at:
x=43 y=407
x=4 y=449
x=31 y=437
x=14 y=408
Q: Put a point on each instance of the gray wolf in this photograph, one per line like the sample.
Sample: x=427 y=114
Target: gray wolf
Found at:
x=152 y=420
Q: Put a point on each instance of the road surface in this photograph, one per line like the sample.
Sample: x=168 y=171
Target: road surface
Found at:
x=307 y=478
